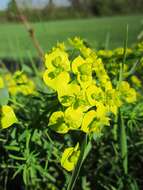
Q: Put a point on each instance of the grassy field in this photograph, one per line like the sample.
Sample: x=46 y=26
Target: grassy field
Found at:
x=15 y=42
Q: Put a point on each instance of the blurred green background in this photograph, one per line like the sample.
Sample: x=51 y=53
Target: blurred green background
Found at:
x=99 y=22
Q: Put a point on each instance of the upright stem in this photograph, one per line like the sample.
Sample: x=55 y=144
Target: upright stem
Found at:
x=31 y=32
x=123 y=143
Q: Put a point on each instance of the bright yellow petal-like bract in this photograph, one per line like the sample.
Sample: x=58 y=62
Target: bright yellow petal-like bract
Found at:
x=87 y=120
x=83 y=69
x=70 y=157
x=74 y=117
x=62 y=122
x=76 y=42
x=57 y=122
x=112 y=100
x=127 y=93
x=94 y=95
x=93 y=121
x=77 y=62
x=67 y=94
x=120 y=51
x=84 y=80
x=7 y=117
x=105 y=53
x=1 y=83
x=56 y=82
x=57 y=59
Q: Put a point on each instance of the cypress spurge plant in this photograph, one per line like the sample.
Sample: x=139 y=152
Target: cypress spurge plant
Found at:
x=88 y=100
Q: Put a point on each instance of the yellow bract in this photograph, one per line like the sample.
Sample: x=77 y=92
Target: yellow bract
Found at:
x=57 y=122
x=56 y=76
x=67 y=93
x=105 y=53
x=7 y=117
x=62 y=122
x=19 y=83
x=87 y=121
x=1 y=83
x=77 y=62
x=120 y=51
x=73 y=117
x=57 y=59
x=93 y=121
x=76 y=42
x=86 y=52
x=70 y=157
x=94 y=95
x=56 y=81
x=112 y=100
x=127 y=93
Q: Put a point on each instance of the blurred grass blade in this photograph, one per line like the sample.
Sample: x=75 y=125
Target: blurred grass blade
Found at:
x=125 y=45
x=124 y=57
x=12 y=148
x=107 y=40
x=16 y=157
x=133 y=69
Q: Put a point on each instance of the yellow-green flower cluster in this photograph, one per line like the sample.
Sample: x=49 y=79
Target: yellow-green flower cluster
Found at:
x=105 y=53
x=19 y=83
x=1 y=83
x=139 y=46
x=84 y=90
x=118 y=52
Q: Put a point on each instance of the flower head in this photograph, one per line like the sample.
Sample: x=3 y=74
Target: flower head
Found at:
x=94 y=120
x=70 y=157
x=127 y=94
x=7 y=117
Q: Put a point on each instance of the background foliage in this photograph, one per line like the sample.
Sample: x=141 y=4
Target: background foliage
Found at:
x=31 y=151
x=75 y=9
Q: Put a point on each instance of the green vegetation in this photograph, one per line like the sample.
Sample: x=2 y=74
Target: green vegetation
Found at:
x=15 y=42
x=75 y=125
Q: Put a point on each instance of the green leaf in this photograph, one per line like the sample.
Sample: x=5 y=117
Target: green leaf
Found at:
x=20 y=168
x=13 y=148
x=16 y=157
x=4 y=96
x=25 y=175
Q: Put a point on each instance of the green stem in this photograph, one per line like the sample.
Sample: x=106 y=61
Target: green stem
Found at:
x=123 y=143
x=115 y=127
